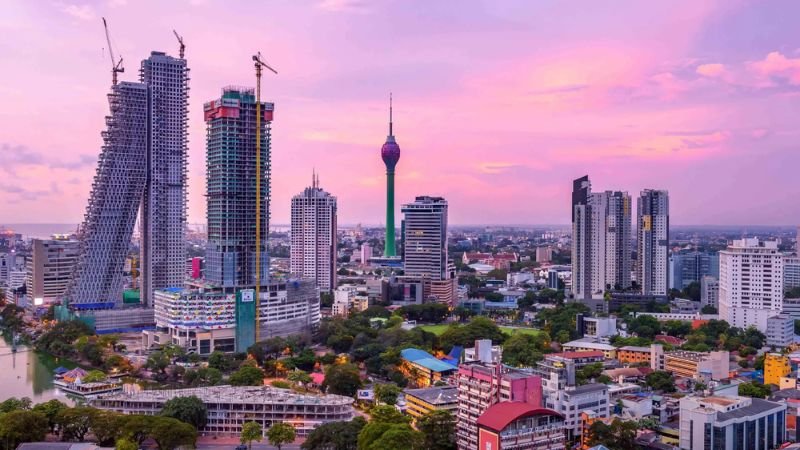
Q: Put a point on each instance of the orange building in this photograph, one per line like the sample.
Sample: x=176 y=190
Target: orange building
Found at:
x=633 y=355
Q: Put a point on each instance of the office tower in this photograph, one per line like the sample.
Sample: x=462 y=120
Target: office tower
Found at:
x=688 y=268
x=601 y=236
x=791 y=272
x=652 y=228
x=709 y=291
x=163 y=211
x=50 y=269
x=117 y=189
x=390 y=153
x=731 y=422
x=231 y=188
x=425 y=254
x=750 y=283
x=313 y=236
x=581 y=239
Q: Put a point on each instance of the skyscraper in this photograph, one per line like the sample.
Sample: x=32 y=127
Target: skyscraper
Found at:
x=750 y=283
x=425 y=254
x=231 y=188
x=313 y=237
x=50 y=268
x=601 y=236
x=390 y=153
x=117 y=189
x=163 y=211
x=652 y=212
x=581 y=238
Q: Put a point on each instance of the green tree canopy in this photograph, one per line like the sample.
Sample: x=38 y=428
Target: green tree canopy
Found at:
x=247 y=376
x=438 y=429
x=171 y=433
x=20 y=426
x=387 y=393
x=75 y=423
x=335 y=435
x=251 y=431
x=280 y=433
x=189 y=409
x=661 y=381
x=342 y=379
x=754 y=389
x=525 y=350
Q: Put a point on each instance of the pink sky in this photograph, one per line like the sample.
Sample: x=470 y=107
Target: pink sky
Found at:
x=498 y=105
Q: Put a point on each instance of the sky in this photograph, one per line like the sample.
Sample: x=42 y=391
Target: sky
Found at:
x=498 y=105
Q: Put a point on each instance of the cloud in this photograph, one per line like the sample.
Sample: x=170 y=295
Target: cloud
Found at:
x=356 y=6
x=15 y=157
x=711 y=70
x=759 y=133
x=82 y=12
x=777 y=67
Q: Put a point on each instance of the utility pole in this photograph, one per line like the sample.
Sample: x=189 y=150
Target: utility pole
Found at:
x=259 y=63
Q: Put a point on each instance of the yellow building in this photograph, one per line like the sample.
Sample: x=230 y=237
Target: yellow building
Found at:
x=775 y=367
x=422 y=401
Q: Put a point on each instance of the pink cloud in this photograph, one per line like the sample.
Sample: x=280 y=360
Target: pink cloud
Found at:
x=711 y=70
x=777 y=66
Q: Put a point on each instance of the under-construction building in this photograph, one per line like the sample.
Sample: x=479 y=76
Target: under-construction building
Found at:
x=163 y=211
x=117 y=189
x=231 y=188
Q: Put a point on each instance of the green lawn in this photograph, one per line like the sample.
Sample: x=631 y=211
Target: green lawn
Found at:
x=439 y=329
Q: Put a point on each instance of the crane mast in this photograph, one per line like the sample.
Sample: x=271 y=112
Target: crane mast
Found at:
x=180 y=42
x=259 y=63
x=116 y=66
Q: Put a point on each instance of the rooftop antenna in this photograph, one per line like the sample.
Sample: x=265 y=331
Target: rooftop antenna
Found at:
x=116 y=66
x=180 y=41
x=390 y=114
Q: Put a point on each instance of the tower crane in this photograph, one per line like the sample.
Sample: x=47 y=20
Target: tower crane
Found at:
x=180 y=41
x=116 y=66
x=259 y=63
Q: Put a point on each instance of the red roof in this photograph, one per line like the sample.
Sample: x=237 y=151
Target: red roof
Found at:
x=576 y=355
x=500 y=415
x=317 y=378
x=669 y=339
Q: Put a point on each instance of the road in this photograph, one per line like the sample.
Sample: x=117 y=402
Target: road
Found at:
x=256 y=446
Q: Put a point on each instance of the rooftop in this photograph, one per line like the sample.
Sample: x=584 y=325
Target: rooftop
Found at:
x=426 y=360
x=587 y=388
x=500 y=415
x=578 y=355
x=757 y=406
x=231 y=394
x=634 y=348
x=589 y=344
x=435 y=395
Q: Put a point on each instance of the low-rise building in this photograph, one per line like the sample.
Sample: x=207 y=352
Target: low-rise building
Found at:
x=698 y=365
x=423 y=369
x=572 y=401
x=520 y=426
x=420 y=402
x=776 y=366
x=581 y=359
x=609 y=351
x=729 y=423
x=631 y=354
x=596 y=327
x=228 y=406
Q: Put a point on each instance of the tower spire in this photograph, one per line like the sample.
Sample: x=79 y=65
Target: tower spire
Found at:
x=390 y=114
x=313 y=177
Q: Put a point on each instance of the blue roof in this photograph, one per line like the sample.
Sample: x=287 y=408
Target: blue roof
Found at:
x=426 y=360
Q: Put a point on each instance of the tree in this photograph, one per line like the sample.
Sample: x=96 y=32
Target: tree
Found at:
x=299 y=377
x=692 y=291
x=171 y=433
x=251 y=431
x=14 y=404
x=335 y=435
x=217 y=360
x=21 y=426
x=94 y=376
x=74 y=423
x=189 y=409
x=387 y=393
x=280 y=433
x=588 y=372
x=158 y=362
x=525 y=350
x=754 y=389
x=645 y=326
x=708 y=309
x=438 y=429
x=388 y=429
x=619 y=435
x=497 y=274
x=247 y=376
x=106 y=426
x=342 y=379
x=50 y=410
x=466 y=335
x=678 y=328
x=661 y=381
x=126 y=444
x=137 y=427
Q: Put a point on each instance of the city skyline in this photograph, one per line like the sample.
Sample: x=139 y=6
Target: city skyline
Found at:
x=484 y=129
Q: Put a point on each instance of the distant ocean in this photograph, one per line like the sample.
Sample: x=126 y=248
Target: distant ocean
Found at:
x=39 y=230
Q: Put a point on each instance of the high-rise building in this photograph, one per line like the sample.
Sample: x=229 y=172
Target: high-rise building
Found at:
x=117 y=189
x=652 y=242
x=581 y=239
x=163 y=211
x=425 y=254
x=791 y=272
x=709 y=291
x=50 y=269
x=750 y=283
x=231 y=188
x=691 y=267
x=390 y=153
x=601 y=237
x=313 y=236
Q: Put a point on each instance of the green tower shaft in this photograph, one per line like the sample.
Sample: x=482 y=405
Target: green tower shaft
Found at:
x=389 y=249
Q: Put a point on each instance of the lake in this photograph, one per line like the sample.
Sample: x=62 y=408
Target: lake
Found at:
x=29 y=374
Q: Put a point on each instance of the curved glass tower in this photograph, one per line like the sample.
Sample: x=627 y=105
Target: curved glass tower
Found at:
x=390 y=153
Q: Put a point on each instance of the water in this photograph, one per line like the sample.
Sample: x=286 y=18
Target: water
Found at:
x=29 y=374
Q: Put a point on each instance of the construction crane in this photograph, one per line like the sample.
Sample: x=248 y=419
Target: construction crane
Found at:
x=116 y=66
x=259 y=63
x=180 y=41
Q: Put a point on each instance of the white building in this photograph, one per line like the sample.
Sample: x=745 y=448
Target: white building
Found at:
x=484 y=351
x=652 y=262
x=780 y=331
x=313 y=236
x=709 y=291
x=50 y=269
x=365 y=253
x=791 y=272
x=599 y=327
x=729 y=423
x=750 y=283
x=425 y=254
x=574 y=400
